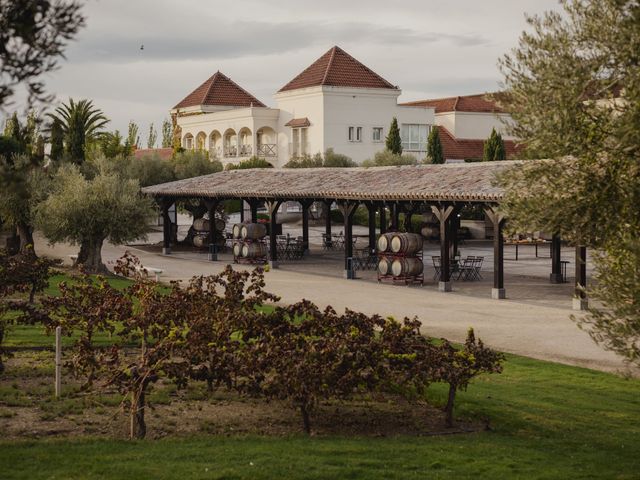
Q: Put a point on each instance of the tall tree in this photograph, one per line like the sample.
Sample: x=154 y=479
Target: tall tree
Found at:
x=33 y=36
x=133 y=139
x=56 y=139
x=152 y=138
x=89 y=212
x=81 y=123
x=167 y=134
x=434 y=146
x=393 y=141
x=494 y=147
x=572 y=88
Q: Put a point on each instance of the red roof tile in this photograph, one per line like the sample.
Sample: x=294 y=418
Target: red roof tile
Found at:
x=163 y=153
x=298 y=122
x=461 y=149
x=338 y=69
x=220 y=90
x=466 y=103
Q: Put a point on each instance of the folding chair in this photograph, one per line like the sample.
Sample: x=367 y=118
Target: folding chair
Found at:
x=436 y=267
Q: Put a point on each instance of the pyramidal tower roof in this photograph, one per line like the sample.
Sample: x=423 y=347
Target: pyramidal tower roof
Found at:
x=337 y=68
x=220 y=90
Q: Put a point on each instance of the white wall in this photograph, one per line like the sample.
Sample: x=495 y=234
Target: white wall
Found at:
x=474 y=125
x=306 y=102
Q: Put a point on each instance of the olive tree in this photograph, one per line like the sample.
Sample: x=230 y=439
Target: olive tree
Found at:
x=572 y=88
x=88 y=212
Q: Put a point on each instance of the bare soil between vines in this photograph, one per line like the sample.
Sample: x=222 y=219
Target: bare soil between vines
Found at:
x=29 y=411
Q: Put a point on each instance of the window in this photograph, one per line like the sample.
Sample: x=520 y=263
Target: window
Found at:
x=355 y=134
x=377 y=134
x=299 y=141
x=414 y=137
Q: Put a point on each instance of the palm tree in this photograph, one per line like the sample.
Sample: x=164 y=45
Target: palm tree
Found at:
x=81 y=123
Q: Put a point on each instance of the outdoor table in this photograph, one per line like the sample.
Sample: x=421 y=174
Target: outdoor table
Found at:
x=534 y=243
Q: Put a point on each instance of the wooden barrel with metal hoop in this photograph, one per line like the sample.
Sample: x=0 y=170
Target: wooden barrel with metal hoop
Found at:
x=384 y=265
x=407 y=266
x=384 y=242
x=202 y=224
x=253 y=250
x=406 y=243
x=236 y=230
x=201 y=241
x=237 y=249
x=253 y=231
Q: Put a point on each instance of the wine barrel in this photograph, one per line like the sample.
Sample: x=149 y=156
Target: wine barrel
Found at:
x=430 y=231
x=407 y=266
x=384 y=242
x=406 y=243
x=384 y=265
x=253 y=250
x=201 y=241
x=253 y=231
x=202 y=225
x=237 y=249
x=237 y=229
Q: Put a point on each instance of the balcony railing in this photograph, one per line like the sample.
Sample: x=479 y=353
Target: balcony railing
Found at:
x=267 y=150
x=245 y=150
x=230 y=151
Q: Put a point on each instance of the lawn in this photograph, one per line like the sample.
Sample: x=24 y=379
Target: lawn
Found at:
x=547 y=421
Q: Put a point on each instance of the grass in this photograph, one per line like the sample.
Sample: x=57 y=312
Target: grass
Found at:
x=35 y=335
x=548 y=421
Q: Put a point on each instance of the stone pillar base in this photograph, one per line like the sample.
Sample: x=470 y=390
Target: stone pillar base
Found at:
x=306 y=252
x=444 y=286
x=213 y=257
x=349 y=274
x=555 y=278
x=166 y=250
x=580 y=303
x=498 y=293
x=273 y=264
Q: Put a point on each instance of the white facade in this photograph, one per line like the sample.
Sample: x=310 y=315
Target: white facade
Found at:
x=351 y=121
x=474 y=125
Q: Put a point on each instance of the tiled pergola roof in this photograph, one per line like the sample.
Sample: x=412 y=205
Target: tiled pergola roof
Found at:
x=463 y=182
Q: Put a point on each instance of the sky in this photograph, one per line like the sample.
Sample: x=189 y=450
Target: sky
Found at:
x=428 y=48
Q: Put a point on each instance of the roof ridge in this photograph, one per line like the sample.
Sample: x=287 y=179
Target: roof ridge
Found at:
x=214 y=79
x=326 y=71
x=367 y=68
x=245 y=91
x=455 y=105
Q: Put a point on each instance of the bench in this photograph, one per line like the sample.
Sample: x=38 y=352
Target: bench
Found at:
x=155 y=271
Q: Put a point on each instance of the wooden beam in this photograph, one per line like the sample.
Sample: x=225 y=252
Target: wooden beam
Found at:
x=327 y=220
x=498 y=220
x=383 y=218
x=272 y=208
x=165 y=204
x=212 y=206
x=443 y=214
x=305 y=224
x=371 y=222
x=556 y=257
x=348 y=209
x=580 y=300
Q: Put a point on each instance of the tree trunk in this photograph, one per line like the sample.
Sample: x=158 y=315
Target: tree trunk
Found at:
x=25 y=233
x=138 y=427
x=90 y=256
x=305 y=418
x=448 y=409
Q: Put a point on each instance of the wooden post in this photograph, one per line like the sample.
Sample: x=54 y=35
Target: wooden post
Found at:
x=58 y=378
x=580 y=300
x=556 y=256
x=254 y=211
x=497 y=219
x=272 y=208
x=327 y=220
x=455 y=226
x=305 y=225
x=241 y=211
x=166 y=226
x=212 y=206
x=443 y=214
x=348 y=209
x=383 y=218
x=371 y=221
x=395 y=216
x=409 y=210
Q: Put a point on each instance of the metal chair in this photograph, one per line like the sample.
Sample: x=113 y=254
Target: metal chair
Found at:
x=437 y=266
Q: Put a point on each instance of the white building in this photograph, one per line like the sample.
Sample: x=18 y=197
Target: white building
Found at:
x=336 y=102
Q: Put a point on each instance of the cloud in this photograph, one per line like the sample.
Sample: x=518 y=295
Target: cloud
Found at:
x=248 y=38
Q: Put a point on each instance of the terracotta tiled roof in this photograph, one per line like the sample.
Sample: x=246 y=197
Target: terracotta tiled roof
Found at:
x=338 y=69
x=466 y=103
x=298 y=122
x=449 y=182
x=462 y=149
x=220 y=90
x=163 y=153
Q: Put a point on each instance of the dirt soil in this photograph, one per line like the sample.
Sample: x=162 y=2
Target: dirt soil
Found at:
x=28 y=410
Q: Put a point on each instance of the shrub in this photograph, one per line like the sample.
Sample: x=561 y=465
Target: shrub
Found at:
x=386 y=158
x=253 y=162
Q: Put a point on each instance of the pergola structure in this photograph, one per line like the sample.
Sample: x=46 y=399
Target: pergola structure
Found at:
x=444 y=189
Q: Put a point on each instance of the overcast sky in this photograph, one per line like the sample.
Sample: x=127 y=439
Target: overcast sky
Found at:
x=428 y=48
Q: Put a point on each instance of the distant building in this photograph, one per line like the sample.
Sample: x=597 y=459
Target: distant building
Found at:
x=465 y=122
x=336 y=102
